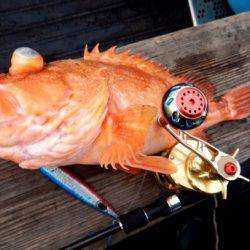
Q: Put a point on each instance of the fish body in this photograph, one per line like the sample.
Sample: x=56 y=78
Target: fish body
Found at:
x=102 y=109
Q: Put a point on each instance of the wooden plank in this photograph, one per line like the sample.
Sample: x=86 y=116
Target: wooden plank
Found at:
x=61 y=28
x=36 y=214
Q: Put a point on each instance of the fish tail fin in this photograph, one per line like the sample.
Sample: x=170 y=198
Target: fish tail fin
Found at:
x=236 y=103
x=233 y=105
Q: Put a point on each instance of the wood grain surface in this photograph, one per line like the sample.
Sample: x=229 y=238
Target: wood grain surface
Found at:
x=36 y=214
x=60 y=28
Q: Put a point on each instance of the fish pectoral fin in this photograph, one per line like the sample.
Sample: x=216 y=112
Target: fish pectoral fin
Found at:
x=125 y=134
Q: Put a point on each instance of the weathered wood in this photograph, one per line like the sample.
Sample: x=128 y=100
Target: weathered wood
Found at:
x=36 y=214
x=60 y=29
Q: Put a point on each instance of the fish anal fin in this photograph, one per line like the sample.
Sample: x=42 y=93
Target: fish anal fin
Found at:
x=158 y=164
x=130 y=170
x=124 y=135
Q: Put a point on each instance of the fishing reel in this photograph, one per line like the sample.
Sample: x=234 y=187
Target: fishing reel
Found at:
x=200 y=166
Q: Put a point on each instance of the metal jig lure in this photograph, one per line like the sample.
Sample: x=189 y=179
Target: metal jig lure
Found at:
x=73 y=185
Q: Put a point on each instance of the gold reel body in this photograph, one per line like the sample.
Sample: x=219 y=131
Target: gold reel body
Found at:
x=193 y=173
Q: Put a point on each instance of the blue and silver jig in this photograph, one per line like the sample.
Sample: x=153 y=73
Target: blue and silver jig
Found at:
x=73 y=185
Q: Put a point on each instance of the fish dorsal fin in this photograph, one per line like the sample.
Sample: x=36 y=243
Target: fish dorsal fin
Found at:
x=135 y=61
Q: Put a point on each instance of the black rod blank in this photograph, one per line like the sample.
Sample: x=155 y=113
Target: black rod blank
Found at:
x=139 y=217
x=91 y=239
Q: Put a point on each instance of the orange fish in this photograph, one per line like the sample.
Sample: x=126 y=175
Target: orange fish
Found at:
x=102 y=109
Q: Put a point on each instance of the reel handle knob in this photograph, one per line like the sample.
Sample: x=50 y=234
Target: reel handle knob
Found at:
x=185 y=106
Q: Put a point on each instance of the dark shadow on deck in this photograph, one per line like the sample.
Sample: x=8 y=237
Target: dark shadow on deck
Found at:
x=59 y=29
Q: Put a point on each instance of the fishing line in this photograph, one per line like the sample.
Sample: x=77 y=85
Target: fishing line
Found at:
x=216 y=234
x=138 y=192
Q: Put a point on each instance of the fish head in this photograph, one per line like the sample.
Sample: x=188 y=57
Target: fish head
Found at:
x=29 y=95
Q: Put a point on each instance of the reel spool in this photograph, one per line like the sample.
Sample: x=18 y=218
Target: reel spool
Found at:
x=193 y=173
x=201 y=166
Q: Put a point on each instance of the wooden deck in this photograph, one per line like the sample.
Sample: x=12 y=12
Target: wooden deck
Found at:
x=36 y=214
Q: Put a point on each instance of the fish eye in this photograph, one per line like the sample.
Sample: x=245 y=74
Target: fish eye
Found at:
x=25 y=60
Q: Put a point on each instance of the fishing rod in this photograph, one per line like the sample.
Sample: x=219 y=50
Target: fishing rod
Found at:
x=165 y=206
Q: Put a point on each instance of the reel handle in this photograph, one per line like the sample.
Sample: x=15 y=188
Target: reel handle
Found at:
x=185 y=107
x=224 y=164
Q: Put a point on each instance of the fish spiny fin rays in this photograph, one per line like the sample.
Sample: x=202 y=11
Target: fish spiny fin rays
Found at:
x=154 y=163
x=237 y=102
x=124 y=134
x=135 y=61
